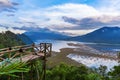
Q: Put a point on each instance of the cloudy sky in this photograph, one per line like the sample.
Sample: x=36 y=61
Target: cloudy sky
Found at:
x=72 y=16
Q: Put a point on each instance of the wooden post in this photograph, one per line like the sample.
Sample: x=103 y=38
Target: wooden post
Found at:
x=9 y=54
x=50 y=49
x=8 y=77
x=46 y=48
x=21 y=52
x=44 y=65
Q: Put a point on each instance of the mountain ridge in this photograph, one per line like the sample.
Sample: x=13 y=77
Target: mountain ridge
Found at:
x=46 y=35
x=103 y=35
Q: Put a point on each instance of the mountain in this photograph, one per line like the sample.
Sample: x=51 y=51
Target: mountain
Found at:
x=103 y=35
x=37 y=35
x=34 y=33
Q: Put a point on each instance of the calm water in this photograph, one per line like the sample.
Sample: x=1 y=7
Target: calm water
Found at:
x=57 y=44
x=106 y=47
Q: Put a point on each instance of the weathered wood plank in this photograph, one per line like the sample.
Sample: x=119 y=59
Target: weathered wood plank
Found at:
x=30 y=57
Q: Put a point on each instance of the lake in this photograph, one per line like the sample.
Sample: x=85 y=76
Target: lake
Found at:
x=58 y=44
x=88 y=61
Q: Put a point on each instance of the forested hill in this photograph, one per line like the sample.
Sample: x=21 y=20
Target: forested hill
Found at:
x=9 y=39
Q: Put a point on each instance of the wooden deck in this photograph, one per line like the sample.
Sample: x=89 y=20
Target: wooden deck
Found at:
x=30 y=57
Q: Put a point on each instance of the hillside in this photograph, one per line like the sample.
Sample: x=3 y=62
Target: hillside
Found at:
x=25 y=39
x=10 y=39
x=103 y=35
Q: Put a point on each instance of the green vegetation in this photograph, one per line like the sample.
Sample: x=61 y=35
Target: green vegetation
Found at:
x=9 y=39
x=115 y=73
x=66 y=72
x=8 y=70
x=33 y=71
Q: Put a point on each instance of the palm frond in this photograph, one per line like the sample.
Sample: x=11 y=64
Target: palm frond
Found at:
x=12 y=68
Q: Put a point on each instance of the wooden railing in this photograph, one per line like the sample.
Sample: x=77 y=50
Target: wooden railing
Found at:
x=33 y=49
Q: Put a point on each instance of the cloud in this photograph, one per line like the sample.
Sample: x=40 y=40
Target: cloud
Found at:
x=52 y=16
x=89 y=17
x=114 y=4
x=82 y=16
x=110 y=7
x=7 y=5
x=66 y=17
x=73 y=10
x=69 y=17
x=85 y=23
x=93 y=22
x=77 y=32
x=10 y=15
x=16 y=31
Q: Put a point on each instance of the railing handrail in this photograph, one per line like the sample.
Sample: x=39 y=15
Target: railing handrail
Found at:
x=17 y=48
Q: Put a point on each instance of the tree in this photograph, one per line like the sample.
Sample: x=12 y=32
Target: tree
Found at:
x=115 y=73
x=93 y=76
x=67 y=72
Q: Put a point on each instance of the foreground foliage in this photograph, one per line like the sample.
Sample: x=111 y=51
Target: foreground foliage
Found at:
x=66 y=72
x=33 y=71
x=12 y=69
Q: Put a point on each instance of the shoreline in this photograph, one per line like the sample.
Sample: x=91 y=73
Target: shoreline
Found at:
x=61 y=57
x=84 y=50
